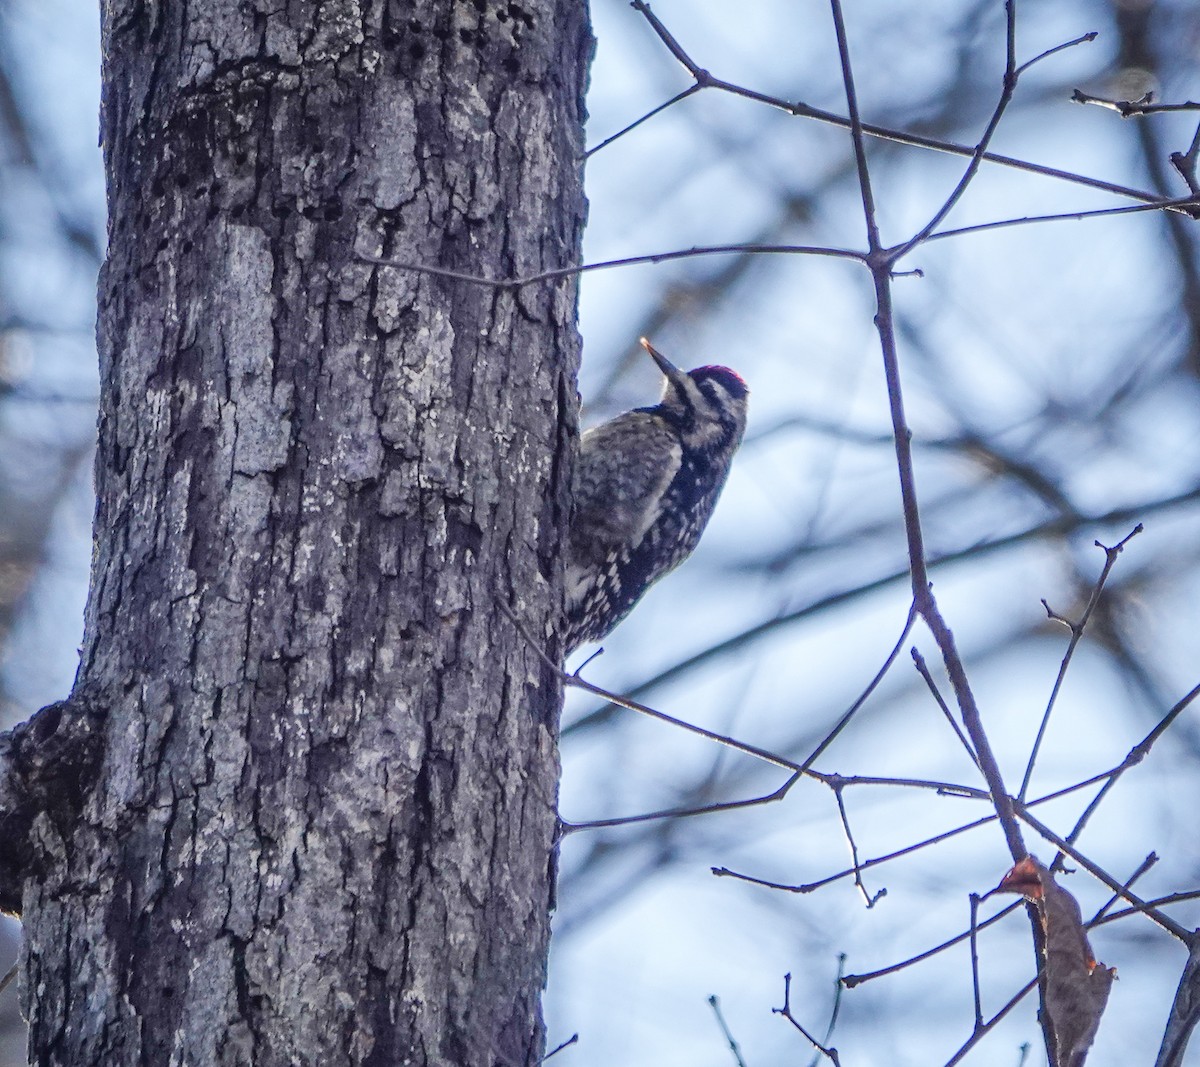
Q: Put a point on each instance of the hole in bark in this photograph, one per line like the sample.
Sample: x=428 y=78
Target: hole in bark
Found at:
x=519 y=13
x=511 y=64
x=45 y=723
x=466 y=36
x=417 y=51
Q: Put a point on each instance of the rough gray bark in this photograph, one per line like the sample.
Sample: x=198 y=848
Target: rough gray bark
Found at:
x=317 y=824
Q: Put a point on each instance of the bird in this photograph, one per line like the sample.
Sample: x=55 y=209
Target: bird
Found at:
x=644 y=487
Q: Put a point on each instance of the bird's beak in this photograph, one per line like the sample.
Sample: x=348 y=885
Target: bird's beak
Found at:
x=673 y=373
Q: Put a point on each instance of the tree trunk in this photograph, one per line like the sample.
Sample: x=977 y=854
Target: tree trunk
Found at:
x=319 y=823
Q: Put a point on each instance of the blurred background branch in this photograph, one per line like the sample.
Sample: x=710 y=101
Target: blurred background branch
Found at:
x=1051 y=381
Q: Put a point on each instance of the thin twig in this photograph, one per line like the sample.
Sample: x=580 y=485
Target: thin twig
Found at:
x=914 y=140
x=948 y=789
x=1055 y=527
x=1131 y=108
x=1185 y=163
x=850 y=712
x=1132 y=759
x=856 y=129
x=973 y=723
x=1083 y=38
x=1009 y=86
x=973 y=931
x=1157 y=902
x=1076 y=629
x=575 y=682
x=691 y=90
x=923 y=599
x=1108 y=778
x=871 y=900
x=558 y=1048
x=626 y=261
x=1145 y=865
x=836 y=1009
x=786 y=1011
x=682 y=813
x=1012 y=74
x=810 y=887
x=980 y=1032
x=1181 y=202
x=851 y=980
x=715 y=1004
x=922 y=592
x=1185 y=1012
x=923 y=670
x=924 y=843
x=798 y=769
x=1094 y=869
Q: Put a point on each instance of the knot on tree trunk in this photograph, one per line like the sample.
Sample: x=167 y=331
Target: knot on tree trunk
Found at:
x=47 y=767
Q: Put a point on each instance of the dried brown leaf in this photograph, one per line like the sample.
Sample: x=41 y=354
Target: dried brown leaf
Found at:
x=1076 y=986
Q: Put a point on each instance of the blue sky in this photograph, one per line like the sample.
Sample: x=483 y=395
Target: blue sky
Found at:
x=1036 y=360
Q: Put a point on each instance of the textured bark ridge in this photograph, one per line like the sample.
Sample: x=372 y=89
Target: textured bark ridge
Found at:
x=320 y=827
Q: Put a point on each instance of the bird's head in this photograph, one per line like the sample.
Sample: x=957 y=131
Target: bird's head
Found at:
x=708 y=403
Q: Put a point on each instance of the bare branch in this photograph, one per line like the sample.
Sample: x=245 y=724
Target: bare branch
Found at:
x=608 y=264
x=1147 y=909
x=870 y=899
x=786 y=1011
x=1185 y=1012
x=1009 y=86
x=851 y=980
x=980 y=1032
x=923 y=670
x=715 y=1004
x=973 y=932
x=1183 y=203
x=1185 y=163
x=801 y=110
x=1131 y=108
x=689 y=91
x=1076 y=629
x=573 y=1039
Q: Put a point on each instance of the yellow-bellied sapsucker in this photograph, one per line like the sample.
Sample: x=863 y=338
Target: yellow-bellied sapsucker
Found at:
x=645 y=485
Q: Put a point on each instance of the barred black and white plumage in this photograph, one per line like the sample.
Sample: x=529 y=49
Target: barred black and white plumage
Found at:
x=645 y=486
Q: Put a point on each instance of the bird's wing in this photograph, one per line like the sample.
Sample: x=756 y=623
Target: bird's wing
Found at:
x=617 y=488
